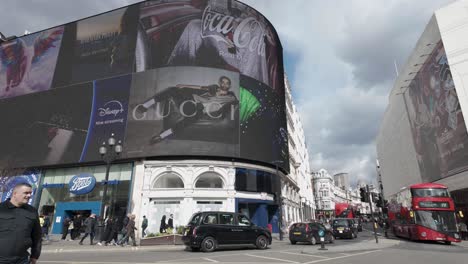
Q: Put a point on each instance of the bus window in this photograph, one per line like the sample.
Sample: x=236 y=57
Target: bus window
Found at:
x=429 y=192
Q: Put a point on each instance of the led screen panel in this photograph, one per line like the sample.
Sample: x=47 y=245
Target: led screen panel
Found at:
x=437 y=123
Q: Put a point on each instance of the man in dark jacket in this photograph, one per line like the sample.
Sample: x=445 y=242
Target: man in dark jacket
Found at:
x=90 y=225
x=77 y=223
x=19 y=228
x=130 y=231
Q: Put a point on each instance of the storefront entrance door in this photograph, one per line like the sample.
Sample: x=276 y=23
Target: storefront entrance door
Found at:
x=67 y=209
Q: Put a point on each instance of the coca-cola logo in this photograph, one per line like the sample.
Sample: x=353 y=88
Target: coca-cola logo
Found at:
x=248 y=33
x=82 y=184
x=113 y=107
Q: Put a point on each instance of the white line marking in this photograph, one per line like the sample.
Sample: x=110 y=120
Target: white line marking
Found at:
x=302 y=254
x=284 y=260
x=344 y=254
x=350 y=255
x=212 y=260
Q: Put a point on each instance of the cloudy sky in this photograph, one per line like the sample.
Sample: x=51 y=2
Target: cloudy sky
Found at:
x=339 y=55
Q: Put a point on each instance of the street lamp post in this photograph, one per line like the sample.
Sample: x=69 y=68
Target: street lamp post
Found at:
x=108 y=153
x=279 y=199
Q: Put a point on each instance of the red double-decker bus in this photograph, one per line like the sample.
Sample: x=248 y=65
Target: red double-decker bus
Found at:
x=344 y=210
x=423 y=212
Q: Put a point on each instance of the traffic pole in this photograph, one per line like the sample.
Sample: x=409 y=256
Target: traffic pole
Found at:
x=374 y=223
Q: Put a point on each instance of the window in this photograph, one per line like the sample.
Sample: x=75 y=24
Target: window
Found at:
x=211 y=219
x=226 y=219
x=255 y=181
x=195 y=219
x=209 y=180
x=168 y=180
x=243 y=220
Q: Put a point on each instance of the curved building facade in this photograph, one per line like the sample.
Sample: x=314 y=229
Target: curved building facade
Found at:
x=193 y=90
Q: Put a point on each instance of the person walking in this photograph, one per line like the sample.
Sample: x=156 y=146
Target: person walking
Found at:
x=114 y=232
x=108 y=223
x=162 y=226
x=21 y=228
x=123 y=227
x=90 y=225
x=66 y=227
x=77 y=224
x=170 y=222
x=45 y=227
x=130 y=231
x=144 y=225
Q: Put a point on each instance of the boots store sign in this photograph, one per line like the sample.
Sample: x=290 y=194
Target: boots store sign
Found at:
x=82 y=184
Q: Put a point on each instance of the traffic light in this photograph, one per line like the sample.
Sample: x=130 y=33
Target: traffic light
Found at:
x=363 y=193
x=379 y=202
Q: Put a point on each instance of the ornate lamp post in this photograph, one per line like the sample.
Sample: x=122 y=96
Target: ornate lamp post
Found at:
x=279 y=198
x=108 y=153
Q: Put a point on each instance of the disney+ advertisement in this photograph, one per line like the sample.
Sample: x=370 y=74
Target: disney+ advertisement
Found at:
x=167 y=78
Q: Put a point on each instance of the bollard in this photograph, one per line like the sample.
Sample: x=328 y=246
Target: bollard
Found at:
x=321 y=234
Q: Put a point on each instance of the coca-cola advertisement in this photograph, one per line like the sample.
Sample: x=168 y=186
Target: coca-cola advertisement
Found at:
x=98 y=47
x=184 y=111
x=222 y=34
x=27 y=64
x=45 y=128
x=437 y=123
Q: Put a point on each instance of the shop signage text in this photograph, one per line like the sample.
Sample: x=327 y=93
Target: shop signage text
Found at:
x=82 y=184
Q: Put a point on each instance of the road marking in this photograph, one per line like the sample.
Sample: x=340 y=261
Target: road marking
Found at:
x=212 y=260
x=284 y=260
x=344 y=254
x=350 y=255
x=302 y=254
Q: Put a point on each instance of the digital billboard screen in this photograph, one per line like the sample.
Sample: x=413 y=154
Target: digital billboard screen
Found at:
x=437 y=123
x=167 y=78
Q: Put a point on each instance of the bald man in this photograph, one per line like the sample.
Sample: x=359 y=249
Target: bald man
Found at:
x=19 y=228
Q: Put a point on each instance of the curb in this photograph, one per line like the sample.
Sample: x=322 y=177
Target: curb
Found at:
x=113 y=249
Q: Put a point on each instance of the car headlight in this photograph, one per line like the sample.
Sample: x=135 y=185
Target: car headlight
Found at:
x=423 y=234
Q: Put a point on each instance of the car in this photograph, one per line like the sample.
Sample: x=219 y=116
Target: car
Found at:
x=309 y=232
x=344 y=228
x=208 y=230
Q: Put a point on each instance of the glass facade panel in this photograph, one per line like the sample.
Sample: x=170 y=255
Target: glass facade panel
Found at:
x=254 y=181
x=55 y=187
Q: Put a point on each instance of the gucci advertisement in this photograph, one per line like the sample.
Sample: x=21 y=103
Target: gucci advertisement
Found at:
x=437 y=122
x=184 y=111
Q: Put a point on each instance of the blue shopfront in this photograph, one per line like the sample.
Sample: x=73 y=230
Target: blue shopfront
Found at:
x=77 y=193
x=261 y=212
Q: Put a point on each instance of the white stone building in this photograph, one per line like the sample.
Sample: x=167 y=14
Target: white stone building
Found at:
x=323 y=185
x=298 y=198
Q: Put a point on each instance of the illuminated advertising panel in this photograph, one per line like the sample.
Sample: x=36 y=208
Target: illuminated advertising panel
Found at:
x=27 y=64
x=437 y=123
x=168 y=78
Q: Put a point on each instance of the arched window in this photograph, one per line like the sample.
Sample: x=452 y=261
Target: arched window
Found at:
x=209 y=180
x=168 y=180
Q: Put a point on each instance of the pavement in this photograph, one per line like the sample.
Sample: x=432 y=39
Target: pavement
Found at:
x=55 y=245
